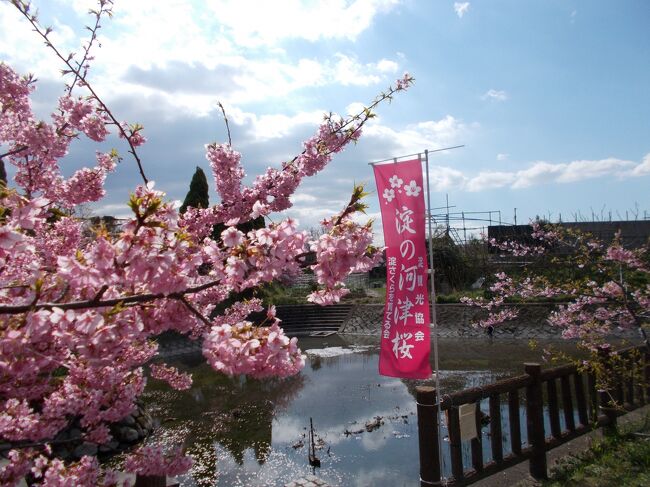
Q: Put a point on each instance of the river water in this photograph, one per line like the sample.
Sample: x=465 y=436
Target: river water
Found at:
x=245 y=432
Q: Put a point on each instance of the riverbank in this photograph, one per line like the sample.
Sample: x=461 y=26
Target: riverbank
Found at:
x=456 y=321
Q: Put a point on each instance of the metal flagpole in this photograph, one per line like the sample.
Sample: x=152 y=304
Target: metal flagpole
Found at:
x=434 y=320
x=419 y=154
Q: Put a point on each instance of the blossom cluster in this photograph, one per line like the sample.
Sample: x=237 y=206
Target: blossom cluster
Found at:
x=345 y=249
x=259 y=352
x=36 y=146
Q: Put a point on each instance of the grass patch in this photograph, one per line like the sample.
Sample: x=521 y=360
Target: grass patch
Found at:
x=620 y=460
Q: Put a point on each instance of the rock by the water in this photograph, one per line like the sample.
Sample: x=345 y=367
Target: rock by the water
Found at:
x=85 y=448
x=128 y=434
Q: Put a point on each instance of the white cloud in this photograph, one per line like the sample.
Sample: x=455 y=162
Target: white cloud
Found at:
x=642 y=169
x=445 y=178
x=497 y=95
x=489 y=180
x=265 y=127
x=303 y=197
x=541 y=172
x=502 y=157
x=429 y=134
x=387 y=66
x=461 y=8
x=334 y=19
x=348 y=71
x=579 y=170
x=538 y=173
x=354 y=108
x=189 y=58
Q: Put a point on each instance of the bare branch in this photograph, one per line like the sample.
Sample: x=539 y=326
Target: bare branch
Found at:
x=105 y=7
x=225 y=119
x=194 y=311
x=23 y=8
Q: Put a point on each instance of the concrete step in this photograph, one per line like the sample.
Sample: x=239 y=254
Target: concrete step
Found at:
x=304 y=319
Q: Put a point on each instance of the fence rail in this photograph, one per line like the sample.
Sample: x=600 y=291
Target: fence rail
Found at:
x=551 y=415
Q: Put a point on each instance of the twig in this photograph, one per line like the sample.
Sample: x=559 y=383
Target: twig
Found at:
x=9 y=446
x=194 y=311
x=360 y=118
x=93 y=37
x=225 y=119
x=23 y=8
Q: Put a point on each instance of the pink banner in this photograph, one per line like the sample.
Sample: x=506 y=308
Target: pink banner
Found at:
x=405 y=329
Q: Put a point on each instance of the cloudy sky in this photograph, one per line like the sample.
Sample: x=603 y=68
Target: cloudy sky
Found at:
x=551 y=98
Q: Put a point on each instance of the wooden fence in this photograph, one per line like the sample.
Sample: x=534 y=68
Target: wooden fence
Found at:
x=535 y=401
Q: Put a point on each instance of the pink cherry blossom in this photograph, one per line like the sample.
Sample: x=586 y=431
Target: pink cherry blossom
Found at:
x=80 y=307
x=231 y=237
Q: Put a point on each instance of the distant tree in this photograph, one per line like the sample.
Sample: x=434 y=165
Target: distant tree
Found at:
x=197 y=196
x=3 y=173
x=449 y=263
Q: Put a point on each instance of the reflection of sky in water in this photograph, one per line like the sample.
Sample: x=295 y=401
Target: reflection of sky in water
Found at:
x=249 y=429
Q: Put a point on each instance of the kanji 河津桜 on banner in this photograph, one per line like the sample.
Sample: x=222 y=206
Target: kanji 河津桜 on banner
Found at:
x=405 y=341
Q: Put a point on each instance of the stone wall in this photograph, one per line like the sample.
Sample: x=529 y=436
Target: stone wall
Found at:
x=455 y=320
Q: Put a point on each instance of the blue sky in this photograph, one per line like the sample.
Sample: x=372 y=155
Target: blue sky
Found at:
x=551 y=98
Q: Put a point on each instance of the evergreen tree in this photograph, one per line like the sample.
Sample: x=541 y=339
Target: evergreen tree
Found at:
x=197 y=196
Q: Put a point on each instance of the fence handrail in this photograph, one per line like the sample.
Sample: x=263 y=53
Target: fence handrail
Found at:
x=574 y=395
x=474 y=394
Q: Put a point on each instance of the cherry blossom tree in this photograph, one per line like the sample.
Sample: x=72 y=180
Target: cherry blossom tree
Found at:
x=600 y=289
x=78 y=315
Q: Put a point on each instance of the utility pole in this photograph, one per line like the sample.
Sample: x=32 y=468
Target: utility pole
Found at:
x=464 y=230
x=447 y=199
x=515 y=216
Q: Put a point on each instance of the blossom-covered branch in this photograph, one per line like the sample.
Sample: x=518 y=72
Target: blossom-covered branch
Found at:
x=601 y=287
x=78 y=315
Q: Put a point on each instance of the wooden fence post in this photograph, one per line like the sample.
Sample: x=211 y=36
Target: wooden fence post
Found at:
x=428 y=436
x=646 y=374
x=535 y=422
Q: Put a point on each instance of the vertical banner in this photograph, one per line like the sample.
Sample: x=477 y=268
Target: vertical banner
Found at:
x=405 y=340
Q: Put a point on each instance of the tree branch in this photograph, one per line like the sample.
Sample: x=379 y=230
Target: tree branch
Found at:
x=23 y=8
x=194 y=311
x=93 y=303
x=14 y=151
x=225 y=119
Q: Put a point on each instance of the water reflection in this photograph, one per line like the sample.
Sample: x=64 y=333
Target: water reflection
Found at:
x=246 y=432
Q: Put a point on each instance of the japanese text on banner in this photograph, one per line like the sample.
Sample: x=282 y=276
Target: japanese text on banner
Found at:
x=405 y=327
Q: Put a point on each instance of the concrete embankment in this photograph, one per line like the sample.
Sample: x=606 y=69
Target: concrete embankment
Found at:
x=455 y=320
